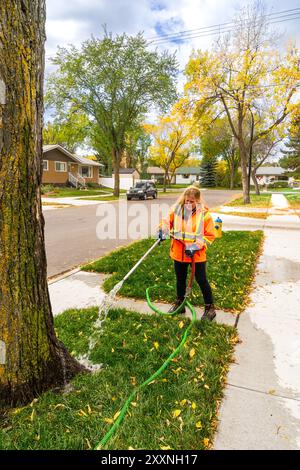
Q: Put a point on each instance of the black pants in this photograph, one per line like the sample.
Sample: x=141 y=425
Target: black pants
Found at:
x=181 y=270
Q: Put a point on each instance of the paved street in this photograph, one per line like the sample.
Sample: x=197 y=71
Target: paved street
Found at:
x=71 y=237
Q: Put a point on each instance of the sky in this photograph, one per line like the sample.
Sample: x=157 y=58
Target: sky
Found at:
x=74 y=21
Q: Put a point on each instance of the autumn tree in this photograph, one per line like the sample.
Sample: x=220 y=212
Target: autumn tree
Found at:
x=32 y=359
x=115 y=81
x=263 y=150
x=217 y=141
x=242 y=75
x=171 y=143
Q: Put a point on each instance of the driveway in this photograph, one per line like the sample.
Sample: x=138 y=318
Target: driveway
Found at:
x=71 y=237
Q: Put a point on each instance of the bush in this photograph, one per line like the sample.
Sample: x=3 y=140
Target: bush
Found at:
x=93 y=185
x=47 y=188
x=278 y=184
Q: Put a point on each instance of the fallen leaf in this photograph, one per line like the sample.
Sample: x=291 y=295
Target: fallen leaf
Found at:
x=176 y=413
x=116 y=415
x=108 y=420
x=183 y=402
x=192 y=353
x=194 y=406
x=166 y=448
x=155 y=344
x=206 y=442
x=181 y=325
x=199 y=425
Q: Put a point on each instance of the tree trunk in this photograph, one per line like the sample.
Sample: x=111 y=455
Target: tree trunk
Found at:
x=32 y=359
x=253 y=175
x=244 y=168
x=116 y=164
x=165 y=182
x=232 y=174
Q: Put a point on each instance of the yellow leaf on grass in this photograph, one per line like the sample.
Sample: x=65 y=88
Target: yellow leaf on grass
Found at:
x=166 y=448
x=116 y=415
x=206 y=442
x=194 y=406
x=192 y=353
x=181 y=325
x=206 y=386
x=183 y=402
x=32 y=415
x=155 y=344
x=133 y=381
x=134 y=403
x=199 y=425
x=176 y=413
x=108 y=420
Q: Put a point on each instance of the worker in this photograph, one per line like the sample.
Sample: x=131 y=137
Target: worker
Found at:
x=190 y=223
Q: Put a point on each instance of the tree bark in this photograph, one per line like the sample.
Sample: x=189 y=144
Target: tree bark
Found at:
x=253 y=175
x=32 y=359
x=244 y=168
x=116 y=165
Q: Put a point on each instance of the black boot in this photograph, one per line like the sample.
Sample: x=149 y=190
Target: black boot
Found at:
x=209 y=312
x=176 y=305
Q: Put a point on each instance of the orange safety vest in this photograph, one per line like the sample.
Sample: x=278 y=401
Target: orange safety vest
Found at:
x=198 y=227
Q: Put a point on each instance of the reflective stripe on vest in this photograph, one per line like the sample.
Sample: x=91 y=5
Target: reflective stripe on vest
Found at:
x=184 y=235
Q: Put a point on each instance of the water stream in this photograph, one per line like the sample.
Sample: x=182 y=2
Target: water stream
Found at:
x=104 y=307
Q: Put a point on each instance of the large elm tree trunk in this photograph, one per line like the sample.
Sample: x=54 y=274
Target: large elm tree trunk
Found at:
x=31 y=356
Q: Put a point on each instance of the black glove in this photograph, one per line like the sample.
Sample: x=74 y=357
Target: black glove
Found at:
x=161 y=235
x=191 y=250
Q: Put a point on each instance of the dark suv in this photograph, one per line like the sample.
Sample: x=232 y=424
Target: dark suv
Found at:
x=142 y=190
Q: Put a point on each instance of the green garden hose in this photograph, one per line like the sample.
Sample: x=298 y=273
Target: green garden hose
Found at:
x=125 y=407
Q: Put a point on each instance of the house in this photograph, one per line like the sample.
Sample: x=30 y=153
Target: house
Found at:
x=60 y=167
x=271 y=174
x=157 y=174
x=128 y=176
x=187 y=175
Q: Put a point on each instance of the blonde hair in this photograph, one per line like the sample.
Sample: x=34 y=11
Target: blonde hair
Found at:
x=191 y=191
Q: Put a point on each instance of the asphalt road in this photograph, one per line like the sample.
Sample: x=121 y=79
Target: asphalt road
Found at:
x=75 y=235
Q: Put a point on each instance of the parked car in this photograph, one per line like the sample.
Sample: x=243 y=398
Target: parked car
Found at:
x=142 y=190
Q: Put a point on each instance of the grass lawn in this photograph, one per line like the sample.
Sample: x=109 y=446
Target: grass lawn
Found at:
x=176 y=411
x=231 y=266
x=255 y=215
x=101 y=198
x=71 y=192
x=263 y=200
x=294 y=200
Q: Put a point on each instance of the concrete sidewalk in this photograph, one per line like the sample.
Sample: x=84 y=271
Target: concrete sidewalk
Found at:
x=261 y=409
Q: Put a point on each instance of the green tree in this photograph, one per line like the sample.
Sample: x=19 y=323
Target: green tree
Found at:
x=115 y=81
x=69 y=132
x=32 y=359
x=217 y=141
x=291 y=158
x=208 y=172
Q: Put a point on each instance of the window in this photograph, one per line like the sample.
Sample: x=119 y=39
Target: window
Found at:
x=86 y=172
x=60 y=166
x=45 y=165
x=185 y=176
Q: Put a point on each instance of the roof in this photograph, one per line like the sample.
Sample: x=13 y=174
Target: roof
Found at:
x=155 y=170
x=188 y=170
x=127 y=171
x=76 y=158
x=270 y=170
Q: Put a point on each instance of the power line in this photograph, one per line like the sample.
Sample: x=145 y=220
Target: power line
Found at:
x=221 y=24
x=205 y=29
x=213 y=32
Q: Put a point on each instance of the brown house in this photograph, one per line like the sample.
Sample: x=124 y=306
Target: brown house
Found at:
x=61 y=167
